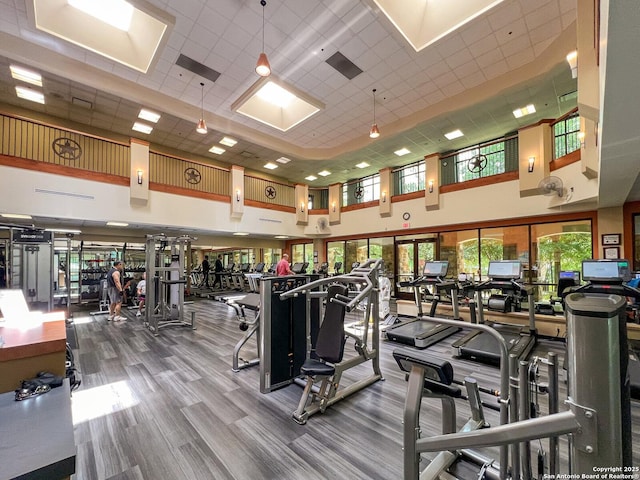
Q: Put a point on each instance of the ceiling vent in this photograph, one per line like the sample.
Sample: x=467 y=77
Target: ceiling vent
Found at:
x=343 y=65
x=197 y=68
x=79 y=102
x=246 y=154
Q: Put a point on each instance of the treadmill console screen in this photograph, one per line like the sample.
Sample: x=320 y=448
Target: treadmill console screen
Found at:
x=436 y=269
x=298 y=267
x=571 y=274
x=601 y=271
x=505 y=270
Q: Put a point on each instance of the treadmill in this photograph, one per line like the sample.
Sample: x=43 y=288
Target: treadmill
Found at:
x=420 y=333
x=607 y=277
x=504 y=276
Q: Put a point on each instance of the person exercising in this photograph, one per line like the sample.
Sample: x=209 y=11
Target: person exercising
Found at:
x=282 y=268
x=205 y=271
x=217 y=271
x=115 y=291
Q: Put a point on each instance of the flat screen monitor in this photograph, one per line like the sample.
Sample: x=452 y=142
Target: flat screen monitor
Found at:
x=259 y=267
x=298 y=267
x=570 y=274
x=245 y=267
x=230 y=267
x=436 y=269
x=602 y=271
x=505 y=269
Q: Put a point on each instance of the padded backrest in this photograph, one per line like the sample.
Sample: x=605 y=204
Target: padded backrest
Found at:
x=330 y=343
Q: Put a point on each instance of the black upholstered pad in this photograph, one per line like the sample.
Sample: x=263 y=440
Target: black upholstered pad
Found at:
x=330 y=343
x=316 y=367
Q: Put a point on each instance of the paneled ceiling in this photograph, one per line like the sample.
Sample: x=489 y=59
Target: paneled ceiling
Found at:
x=472 y=79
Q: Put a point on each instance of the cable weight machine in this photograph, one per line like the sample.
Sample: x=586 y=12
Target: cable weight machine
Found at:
x=166 y=282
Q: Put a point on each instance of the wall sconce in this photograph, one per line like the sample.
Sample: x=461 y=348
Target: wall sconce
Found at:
x=302 y=207
x=430 y=186
x=333 y=206
x=581 y=139
x=139 y=177
x=238 y=195
x=532 y=161
x=384 y=197
x=572 y=60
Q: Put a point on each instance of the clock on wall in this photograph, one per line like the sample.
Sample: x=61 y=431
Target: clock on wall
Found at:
x=406 y=216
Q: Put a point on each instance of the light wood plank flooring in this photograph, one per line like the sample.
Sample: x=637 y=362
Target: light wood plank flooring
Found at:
x=170 y=408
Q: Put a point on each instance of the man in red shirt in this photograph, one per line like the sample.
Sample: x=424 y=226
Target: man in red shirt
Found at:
x=282 y=268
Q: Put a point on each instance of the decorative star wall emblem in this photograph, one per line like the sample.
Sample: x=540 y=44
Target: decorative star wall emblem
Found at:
x=192 y=176
x=66 y=148
x=270 y=192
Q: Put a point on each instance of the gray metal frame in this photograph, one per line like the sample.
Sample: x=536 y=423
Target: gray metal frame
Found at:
x=365 y=277
x=166 y=309
x=594 y=415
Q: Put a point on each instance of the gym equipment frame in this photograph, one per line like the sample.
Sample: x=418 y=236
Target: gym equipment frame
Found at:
x=363 y=288
x=166 y=281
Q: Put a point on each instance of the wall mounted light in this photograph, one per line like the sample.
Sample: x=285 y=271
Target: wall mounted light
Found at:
x=302 y=207
x=237 y=195
x=581 y=139
x=333 y=206
x=262 y=66
x=532 y=162
x=384 y=197
x=572 y=60
x=374 y=132
x=139 y=177
x=202 y=126
x=430 y=186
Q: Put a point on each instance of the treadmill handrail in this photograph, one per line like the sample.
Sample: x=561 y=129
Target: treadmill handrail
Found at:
x=501 y=284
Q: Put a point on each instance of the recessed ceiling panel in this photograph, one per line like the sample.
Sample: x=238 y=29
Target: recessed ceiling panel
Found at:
x=422 y=22
x=135 y=48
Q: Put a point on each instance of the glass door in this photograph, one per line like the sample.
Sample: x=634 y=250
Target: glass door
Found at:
x=411 y=255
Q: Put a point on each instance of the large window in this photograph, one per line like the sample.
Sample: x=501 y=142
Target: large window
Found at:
x=364 y=190
x=558 y=247
x=565 y=135
x=335 y=254
x=460 y=249
x=409 y=178
x=479 y=161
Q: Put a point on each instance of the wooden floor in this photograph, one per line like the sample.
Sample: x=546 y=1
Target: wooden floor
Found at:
x=169 y=408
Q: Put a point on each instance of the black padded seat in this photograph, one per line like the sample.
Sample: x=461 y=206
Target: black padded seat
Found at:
x=317 y=367
x=250 y=301
x=331 y=337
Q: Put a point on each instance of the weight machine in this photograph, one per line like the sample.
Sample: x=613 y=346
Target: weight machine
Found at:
x=324 y=361
x=31 y=267
x=166 y=282
x=597 y=418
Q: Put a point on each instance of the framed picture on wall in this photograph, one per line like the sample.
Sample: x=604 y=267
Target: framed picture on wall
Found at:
x=611 y=253
x=611 y=239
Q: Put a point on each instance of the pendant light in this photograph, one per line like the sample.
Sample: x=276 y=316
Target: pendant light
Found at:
x=202 y=126
x=262 y=66
x=374 y=132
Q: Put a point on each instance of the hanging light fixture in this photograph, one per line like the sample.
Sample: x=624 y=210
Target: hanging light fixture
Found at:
x=202 y=126
x=262 y=67
x=374 y=132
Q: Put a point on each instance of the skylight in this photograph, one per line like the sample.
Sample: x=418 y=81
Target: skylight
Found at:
x=277 y=104
x=116 y=13
x=115 y=29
